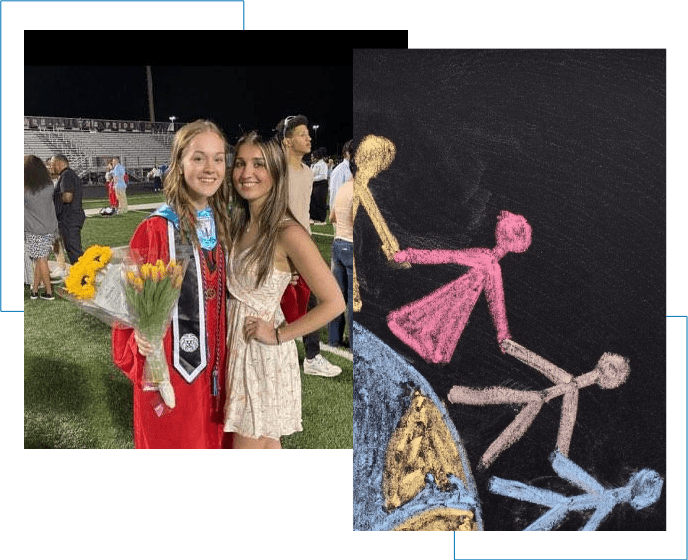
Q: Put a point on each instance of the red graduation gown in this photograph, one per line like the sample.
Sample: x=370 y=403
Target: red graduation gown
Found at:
x=197 y=419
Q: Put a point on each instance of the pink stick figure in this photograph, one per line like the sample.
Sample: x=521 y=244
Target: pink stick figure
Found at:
x=433 y=325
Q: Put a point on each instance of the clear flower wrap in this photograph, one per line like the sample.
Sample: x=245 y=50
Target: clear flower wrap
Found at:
x=120 y=288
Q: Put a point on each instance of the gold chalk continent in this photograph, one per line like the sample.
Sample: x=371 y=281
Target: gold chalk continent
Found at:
x=373 y=155
x=440 y=519
x=422 y=444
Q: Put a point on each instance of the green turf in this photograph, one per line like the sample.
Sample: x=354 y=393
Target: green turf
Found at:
x=74 y=397
x=114 y=231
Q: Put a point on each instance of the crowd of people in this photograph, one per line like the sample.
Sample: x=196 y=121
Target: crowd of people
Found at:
x=259 y=281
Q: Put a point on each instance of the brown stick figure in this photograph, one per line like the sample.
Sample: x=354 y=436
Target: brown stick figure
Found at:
x=610 y=372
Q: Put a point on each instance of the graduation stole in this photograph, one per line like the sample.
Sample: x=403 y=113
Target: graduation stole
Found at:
x=189 y=337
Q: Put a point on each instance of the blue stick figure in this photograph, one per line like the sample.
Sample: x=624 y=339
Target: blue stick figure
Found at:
x=643 y=490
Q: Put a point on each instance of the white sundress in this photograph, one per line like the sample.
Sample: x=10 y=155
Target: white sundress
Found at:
x=263 y=380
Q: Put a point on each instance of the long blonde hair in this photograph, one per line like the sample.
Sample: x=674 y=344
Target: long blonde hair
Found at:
x=177 y=191
x=272 y=212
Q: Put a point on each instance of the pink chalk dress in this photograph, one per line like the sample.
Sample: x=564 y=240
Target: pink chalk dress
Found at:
x=433 y=325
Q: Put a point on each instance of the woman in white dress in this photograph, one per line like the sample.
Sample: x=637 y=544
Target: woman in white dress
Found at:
x=268 y=245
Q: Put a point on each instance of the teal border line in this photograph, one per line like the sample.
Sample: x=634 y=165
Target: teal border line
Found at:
x=1 y=309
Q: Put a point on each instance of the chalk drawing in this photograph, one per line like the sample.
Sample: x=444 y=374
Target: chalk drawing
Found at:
x=610 y=372
x=421 y=445
x=373 y=155
x=432 y=326
x=440 y=519
x=642 y=490
x=411 y=471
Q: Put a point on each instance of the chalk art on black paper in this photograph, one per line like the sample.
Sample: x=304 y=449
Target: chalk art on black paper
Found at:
x=540 y=151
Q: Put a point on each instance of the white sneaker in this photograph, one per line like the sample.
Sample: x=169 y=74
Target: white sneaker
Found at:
x=320 y=366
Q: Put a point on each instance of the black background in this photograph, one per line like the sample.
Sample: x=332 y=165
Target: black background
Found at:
x=575 y=142
x=242 y=80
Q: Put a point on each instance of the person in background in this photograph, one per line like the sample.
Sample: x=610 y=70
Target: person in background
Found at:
x=318 y=207
x=40 y=222
x=268 y=244
x=70 y=214
x=292 y=132
x=112 y=195
x=118 y=173
x=342 y=173
x=156 y=175
x=342 y=216
x=60 y=269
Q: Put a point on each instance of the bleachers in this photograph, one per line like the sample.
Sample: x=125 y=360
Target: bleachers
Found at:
x=34 y=144
x=88 y=152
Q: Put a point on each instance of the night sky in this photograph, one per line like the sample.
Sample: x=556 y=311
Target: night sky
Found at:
x=235 y=97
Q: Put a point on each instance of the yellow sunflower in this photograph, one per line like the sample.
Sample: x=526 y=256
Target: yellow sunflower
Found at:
x=97 y=255
x=81 y=281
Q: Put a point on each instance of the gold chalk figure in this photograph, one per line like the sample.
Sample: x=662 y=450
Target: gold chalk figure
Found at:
x=373 y=155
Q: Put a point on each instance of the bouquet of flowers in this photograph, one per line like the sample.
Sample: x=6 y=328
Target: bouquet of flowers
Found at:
x=151 y=291
x=118 y=287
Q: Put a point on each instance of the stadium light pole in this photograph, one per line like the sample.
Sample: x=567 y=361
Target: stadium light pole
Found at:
x=149 y=78
x=315 y=135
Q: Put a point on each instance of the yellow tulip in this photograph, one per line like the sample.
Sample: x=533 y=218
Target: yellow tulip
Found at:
x=161 y=267
x=146 y=270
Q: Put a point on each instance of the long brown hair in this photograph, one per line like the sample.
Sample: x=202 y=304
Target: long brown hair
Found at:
x=275 y=208
x=36 y=175
x=177 y=191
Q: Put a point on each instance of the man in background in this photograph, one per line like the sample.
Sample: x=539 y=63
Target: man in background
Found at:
x=298 y=299
x=70 y=214
x=340 y=174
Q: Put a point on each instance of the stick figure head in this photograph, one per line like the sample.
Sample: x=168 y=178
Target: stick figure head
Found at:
x=612 y=370
x=374 y=155
x=645 y=486
x=513 y=232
